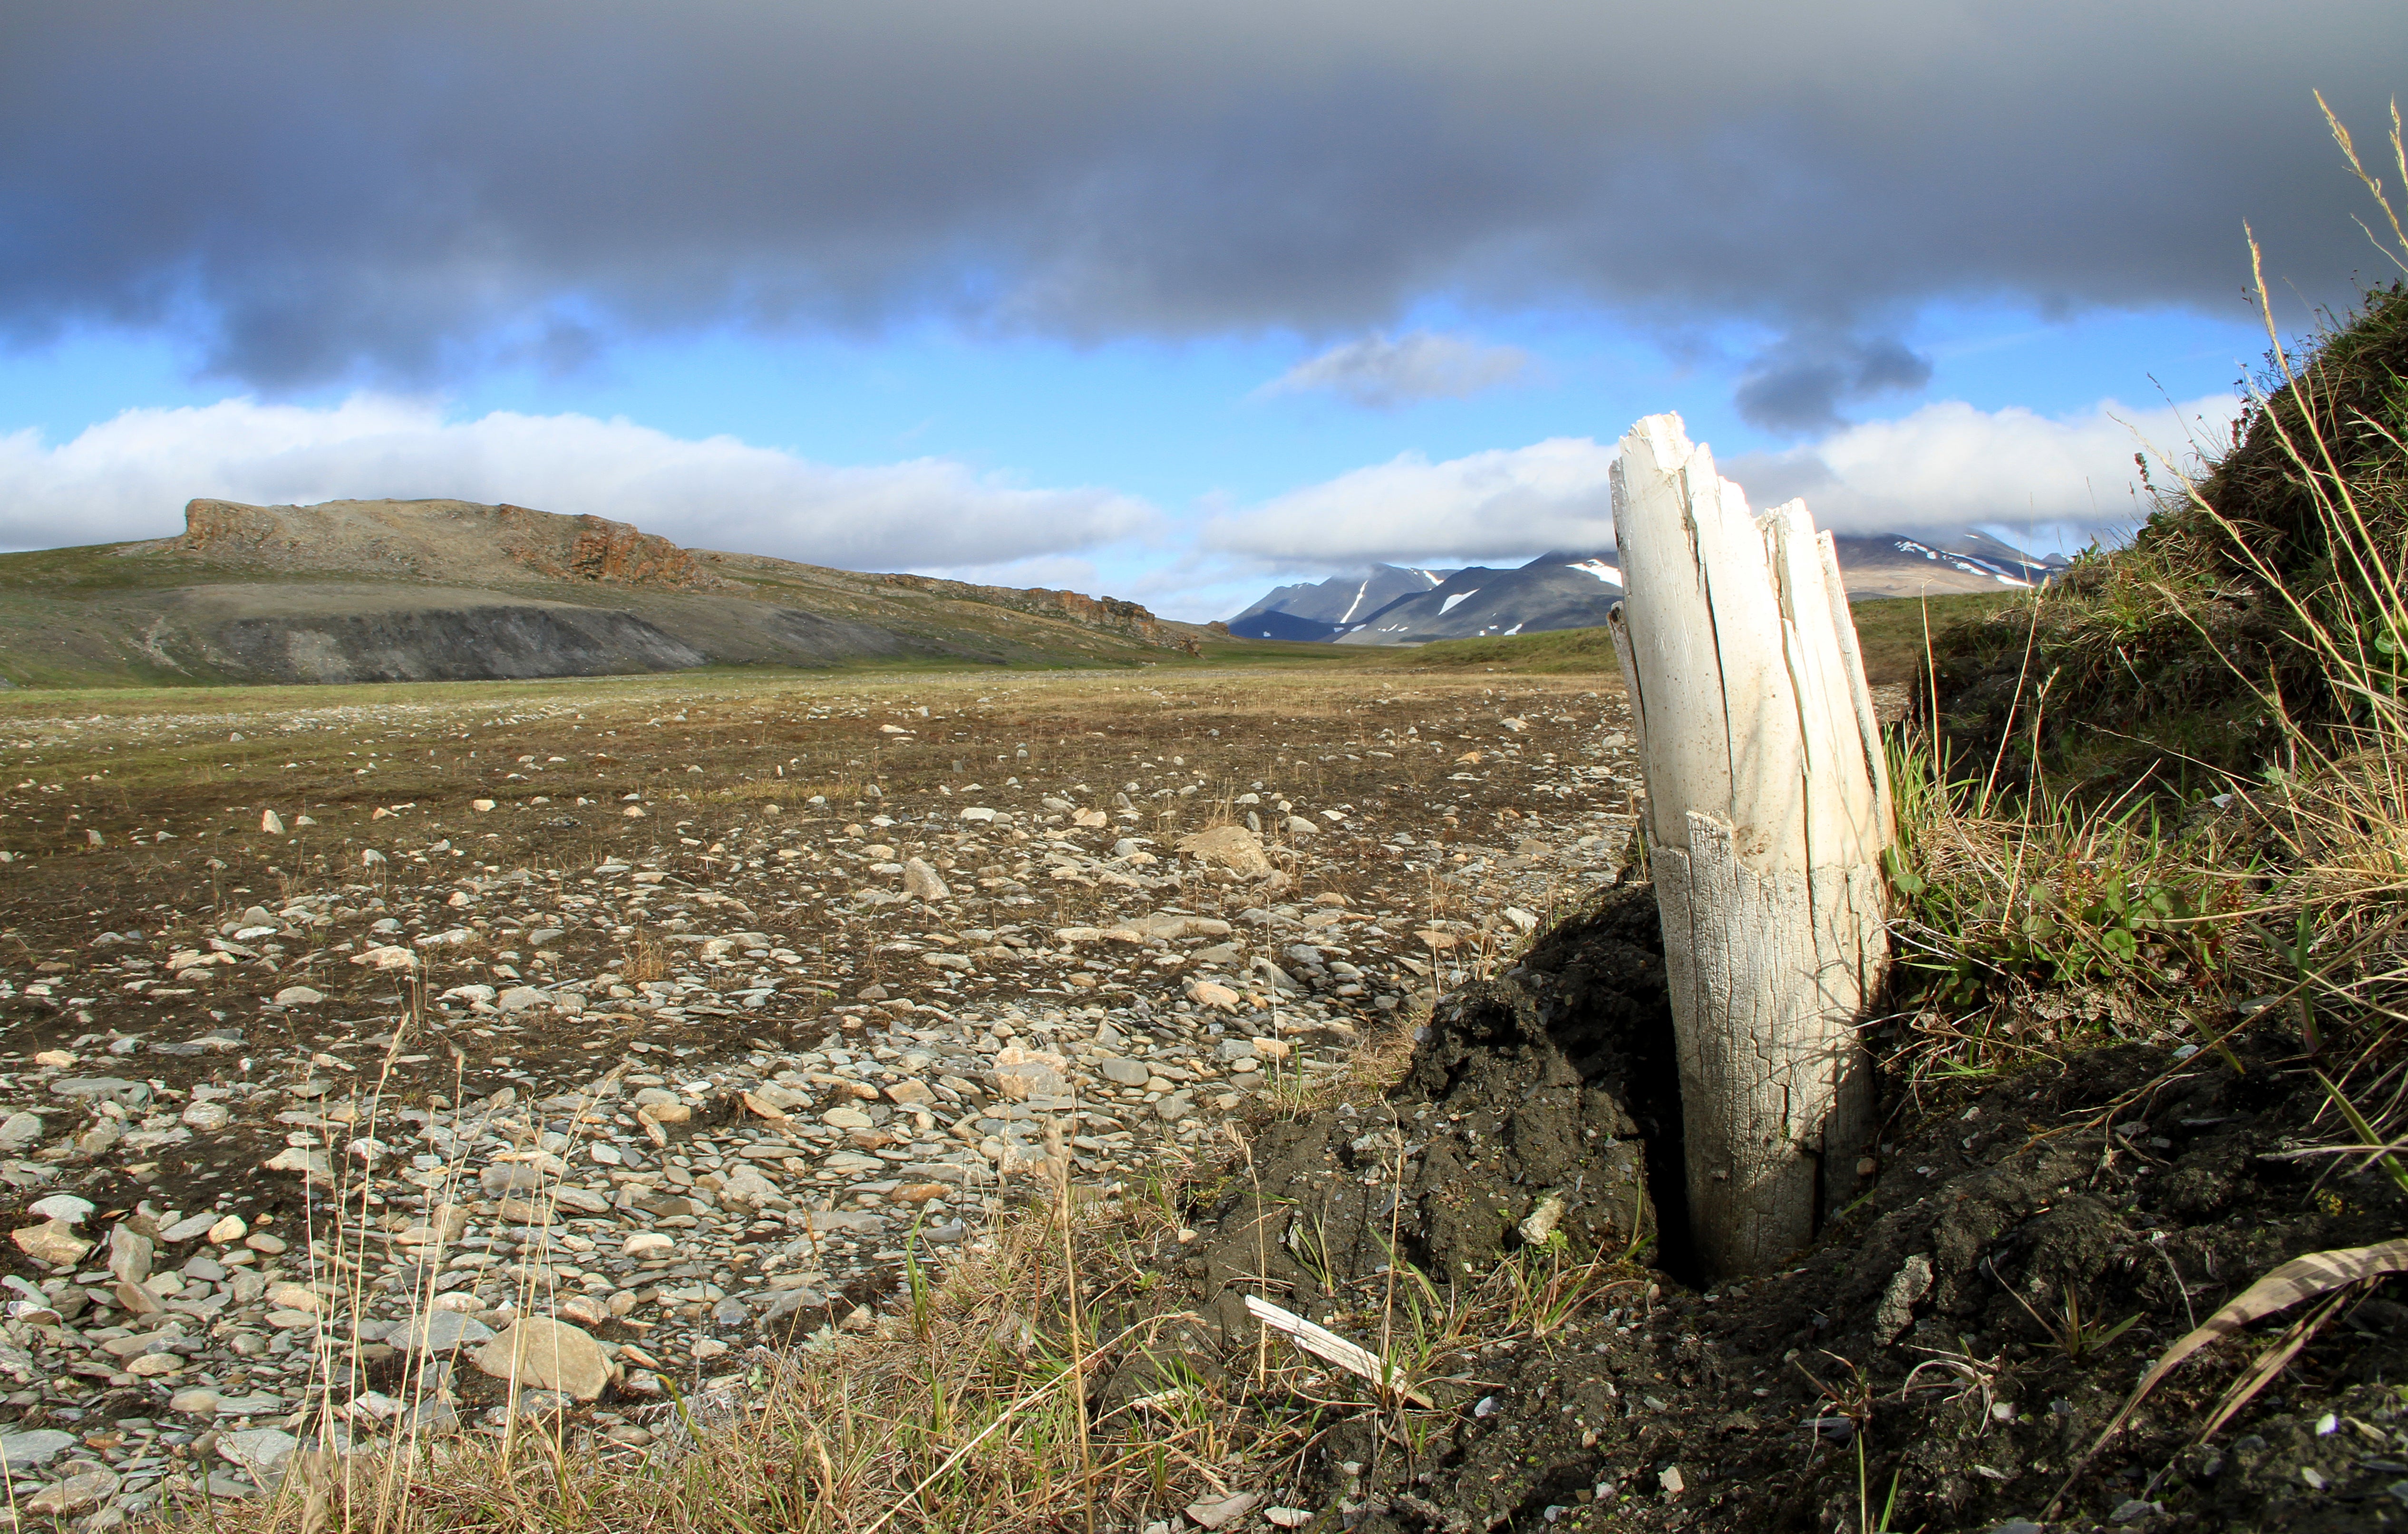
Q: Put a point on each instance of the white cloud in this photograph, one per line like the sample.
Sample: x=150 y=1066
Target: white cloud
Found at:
x=129 y=477
x=1551 y=494
x=1945 y=466
x=1949 y=465
x=1383 y=373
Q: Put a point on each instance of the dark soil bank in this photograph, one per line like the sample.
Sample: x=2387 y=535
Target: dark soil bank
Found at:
x=1929 y=1343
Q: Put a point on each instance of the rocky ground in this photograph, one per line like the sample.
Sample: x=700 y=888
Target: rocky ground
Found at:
x=399 y=1060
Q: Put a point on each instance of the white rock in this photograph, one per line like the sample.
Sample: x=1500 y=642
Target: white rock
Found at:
x=296 y=1296
x=207 y=1116
x=66 y=1208
x=647 y=1243
x=745 y=1185
x=54 y=1241
x=1222 y=1512
x=299 y=996
x=921 y=882
x=272 y=823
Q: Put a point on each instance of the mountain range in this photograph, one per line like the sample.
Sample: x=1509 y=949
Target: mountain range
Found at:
x=1400 y=604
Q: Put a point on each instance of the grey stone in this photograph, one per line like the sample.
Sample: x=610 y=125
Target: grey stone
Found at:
x=1121 y=1071
x=578 y=1200
x=24 y=1451
x=261 y=1451
x=441 y=1331
x=432 y=1416
x=77 y=1493
x=189 y=1229
x=129 y=1255
x=507 y=1177
x=853 y=1222
x=115 y=1089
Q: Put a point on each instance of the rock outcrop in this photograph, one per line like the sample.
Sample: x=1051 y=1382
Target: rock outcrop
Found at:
x=440 y=540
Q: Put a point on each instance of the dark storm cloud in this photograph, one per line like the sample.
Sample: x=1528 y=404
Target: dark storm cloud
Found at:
x=1800 y=385
x=310 y=192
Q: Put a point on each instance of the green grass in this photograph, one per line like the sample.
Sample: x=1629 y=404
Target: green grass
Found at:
x=1889 y=629
x=1557 y=652
x=1234 y=652
x=1891 y=632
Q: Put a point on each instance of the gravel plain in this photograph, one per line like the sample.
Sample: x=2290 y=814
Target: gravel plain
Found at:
x=409 y=1059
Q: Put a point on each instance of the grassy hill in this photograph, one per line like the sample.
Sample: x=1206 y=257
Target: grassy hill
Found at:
x=158 y=614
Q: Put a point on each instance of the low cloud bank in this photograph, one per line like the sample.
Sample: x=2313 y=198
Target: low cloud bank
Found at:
x=1943 y=467
x=129 y=477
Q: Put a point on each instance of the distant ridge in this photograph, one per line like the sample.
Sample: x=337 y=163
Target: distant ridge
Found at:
x=1316 y=610
x=457 y=591
x=1573 y=590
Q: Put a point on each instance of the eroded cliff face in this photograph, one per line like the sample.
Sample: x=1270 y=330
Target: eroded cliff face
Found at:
x=595 y=548
x=439 y=540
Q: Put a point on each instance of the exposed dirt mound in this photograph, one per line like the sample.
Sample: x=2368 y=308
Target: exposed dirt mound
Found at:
x=1528 y=1108
x=1958 y=1330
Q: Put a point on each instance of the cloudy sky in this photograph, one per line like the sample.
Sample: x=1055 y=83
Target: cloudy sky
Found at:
x=1168 y=301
